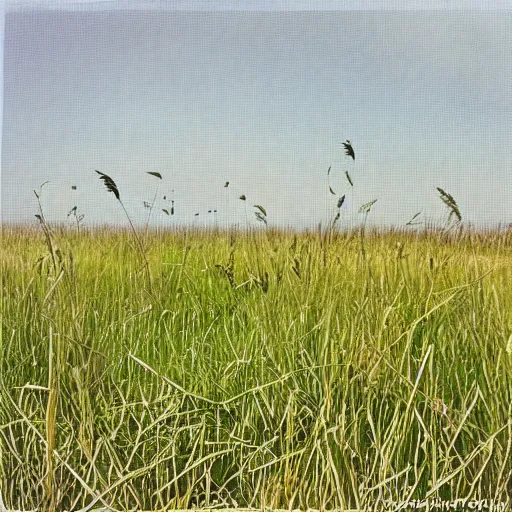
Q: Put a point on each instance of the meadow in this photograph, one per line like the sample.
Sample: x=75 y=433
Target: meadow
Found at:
x=254 y=368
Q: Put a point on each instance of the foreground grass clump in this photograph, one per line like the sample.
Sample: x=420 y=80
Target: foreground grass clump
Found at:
x=263 y=369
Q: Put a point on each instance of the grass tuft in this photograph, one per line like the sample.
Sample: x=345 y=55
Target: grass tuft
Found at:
x=264 y=368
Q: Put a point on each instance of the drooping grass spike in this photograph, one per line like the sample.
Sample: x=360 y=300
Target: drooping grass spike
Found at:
x=110 y=184
x=261 y=209
x=349 y=150
x=365 y=208
x=450 y=202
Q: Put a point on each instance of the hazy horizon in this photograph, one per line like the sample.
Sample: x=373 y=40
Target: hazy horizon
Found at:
x=262 y=100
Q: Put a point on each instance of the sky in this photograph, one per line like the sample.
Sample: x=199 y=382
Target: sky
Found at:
x=260 y=94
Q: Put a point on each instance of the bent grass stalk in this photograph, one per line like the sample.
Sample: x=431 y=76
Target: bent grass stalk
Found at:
x=51 y=422
x=112 y=187
x=159 y=176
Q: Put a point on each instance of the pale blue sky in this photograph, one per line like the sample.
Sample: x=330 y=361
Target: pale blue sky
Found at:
x=262 y=100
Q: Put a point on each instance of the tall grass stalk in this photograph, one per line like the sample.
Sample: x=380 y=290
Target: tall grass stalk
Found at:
x=51 y=424
x=112 y=187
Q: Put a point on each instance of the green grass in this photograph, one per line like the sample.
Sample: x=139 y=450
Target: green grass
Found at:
x=262 y=369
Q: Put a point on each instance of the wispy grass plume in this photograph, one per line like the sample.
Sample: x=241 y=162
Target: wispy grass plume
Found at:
x=349 y=150
x=365 y=208
x=261 y=209
x=451 y=204
x=111 y=186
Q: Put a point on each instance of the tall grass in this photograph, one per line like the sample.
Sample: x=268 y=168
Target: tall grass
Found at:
x=262 y=369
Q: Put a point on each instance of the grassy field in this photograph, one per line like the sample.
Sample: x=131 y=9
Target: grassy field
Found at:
x=256 y=369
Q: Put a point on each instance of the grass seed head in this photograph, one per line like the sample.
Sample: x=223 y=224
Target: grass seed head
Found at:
x=260 y=217
x=261 y=209
x=110 y=184
x=349 y=150
x=365 y=208
x=450 y=202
